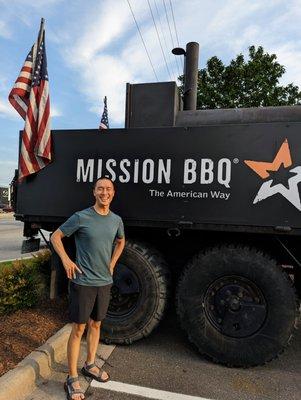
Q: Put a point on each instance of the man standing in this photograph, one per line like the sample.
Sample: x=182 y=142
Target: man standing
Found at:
x=96 y=230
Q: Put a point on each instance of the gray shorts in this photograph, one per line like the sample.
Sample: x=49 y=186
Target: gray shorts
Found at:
x=88 y=302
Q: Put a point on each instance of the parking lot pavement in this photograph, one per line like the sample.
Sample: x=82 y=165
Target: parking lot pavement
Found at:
x=11 y=238
x=167 y=362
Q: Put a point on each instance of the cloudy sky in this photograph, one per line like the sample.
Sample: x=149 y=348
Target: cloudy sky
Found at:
x=93 y=49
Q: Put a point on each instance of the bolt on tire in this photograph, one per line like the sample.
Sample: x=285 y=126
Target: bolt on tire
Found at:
x=138 y=295
x=237 y=306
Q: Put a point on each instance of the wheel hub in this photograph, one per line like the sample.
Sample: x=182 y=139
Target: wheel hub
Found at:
x=234 y=303
x=125 y=292
x=235 y=306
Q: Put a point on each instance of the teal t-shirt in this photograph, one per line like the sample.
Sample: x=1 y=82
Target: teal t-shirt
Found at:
x=94 y=238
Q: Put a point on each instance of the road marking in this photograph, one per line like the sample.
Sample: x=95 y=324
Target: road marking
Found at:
x=143 y=391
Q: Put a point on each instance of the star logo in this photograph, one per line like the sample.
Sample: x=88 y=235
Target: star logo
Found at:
x=264 y=170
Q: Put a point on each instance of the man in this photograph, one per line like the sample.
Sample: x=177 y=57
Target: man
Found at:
x=96 y=230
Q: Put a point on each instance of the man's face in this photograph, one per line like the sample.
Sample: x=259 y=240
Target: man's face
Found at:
x=104 y=192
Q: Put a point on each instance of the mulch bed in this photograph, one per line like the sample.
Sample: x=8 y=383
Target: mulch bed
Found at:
x=25 y=330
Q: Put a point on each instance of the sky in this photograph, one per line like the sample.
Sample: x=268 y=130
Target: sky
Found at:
x=94 y=48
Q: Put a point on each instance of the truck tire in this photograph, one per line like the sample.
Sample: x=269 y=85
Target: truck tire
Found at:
x=237 y=306
x=138 y=296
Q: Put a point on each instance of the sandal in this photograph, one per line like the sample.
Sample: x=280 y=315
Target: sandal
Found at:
x=69 y=389
x=86 y=371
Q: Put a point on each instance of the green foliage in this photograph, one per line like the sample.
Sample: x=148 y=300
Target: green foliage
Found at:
x=252 y=83
x=5 y=264
x=24 y=283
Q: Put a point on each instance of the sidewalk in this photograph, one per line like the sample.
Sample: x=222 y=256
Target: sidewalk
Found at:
x=41 y=375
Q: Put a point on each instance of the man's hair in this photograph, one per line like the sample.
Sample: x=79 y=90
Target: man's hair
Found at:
x=101 y=178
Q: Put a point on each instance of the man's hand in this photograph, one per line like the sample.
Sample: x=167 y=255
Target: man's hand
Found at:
x=71 y=268
x=120 y=243
x=112 y=266
x=69 y=265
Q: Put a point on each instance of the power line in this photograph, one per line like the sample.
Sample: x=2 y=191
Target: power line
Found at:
x=165 y=42
x=172 y=42
x=159 y=39
x=174 y=24
x=143 y=41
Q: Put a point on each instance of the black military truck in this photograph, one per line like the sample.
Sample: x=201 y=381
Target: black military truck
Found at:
x=211 y=204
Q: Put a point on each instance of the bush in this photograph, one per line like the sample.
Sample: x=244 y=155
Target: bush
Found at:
x=24 y=283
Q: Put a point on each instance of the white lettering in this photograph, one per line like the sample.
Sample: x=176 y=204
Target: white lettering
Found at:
x=224 y=172
x=99 y=168
x=126 y=177
x=148 y=171
x=110 y=162
x=83 y=174
x=189 y=171
x=206 y=171
x=164 y=170
x=136 y=170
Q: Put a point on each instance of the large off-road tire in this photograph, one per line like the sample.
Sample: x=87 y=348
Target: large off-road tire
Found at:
x=237 y=306
x=138 y=296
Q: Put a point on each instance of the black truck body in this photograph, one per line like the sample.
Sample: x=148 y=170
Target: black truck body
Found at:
x=172 y=177
x=209 y=197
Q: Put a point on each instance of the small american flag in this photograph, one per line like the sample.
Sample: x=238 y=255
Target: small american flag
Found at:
x=30 y=97
x=104 y=122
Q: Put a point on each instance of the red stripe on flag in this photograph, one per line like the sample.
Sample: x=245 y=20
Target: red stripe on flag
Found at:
x=17 y=107
x=22 y=79
x=26 y=69
x=43 y=121
x=30 y=120
x=23 y=171
x=28 y=146
x=22 y=93
x=47 y=151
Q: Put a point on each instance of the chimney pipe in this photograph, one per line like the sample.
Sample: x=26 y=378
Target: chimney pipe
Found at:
x=191 y=76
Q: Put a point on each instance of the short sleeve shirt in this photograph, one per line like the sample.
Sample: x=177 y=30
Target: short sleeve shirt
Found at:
x=94 y=238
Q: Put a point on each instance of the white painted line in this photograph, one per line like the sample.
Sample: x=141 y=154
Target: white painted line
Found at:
x=143 y=391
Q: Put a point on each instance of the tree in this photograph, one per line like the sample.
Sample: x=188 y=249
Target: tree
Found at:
x=251 y=83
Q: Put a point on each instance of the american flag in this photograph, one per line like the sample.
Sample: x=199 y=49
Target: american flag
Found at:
x=30 y=97
x=104 y=122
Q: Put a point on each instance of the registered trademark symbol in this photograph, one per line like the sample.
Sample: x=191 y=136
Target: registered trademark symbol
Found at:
x=235 y=160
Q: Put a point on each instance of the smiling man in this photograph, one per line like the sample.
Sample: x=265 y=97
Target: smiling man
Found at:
x=99 y=239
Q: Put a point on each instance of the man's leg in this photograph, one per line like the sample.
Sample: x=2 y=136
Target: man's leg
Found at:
x=81 y=303
x=93 y=336
x=73 y=348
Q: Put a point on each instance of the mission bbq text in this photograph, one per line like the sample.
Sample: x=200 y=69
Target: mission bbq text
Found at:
x=204 y=171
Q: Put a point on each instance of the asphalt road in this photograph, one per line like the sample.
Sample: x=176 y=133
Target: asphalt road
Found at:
x=11 y=237
x=166 y=361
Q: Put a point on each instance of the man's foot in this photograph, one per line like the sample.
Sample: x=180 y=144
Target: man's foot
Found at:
x=94 y=372
x=73 y=389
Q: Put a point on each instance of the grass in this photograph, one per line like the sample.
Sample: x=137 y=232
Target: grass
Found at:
x=5 y=264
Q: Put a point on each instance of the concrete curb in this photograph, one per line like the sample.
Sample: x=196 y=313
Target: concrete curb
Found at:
x=32 y=255
x=23 y=379
x=6 y=215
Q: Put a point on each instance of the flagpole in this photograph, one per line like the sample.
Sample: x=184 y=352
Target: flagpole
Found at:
x=40 y=37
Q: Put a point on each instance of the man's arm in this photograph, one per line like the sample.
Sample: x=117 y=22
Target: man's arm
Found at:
x=120 y=243
x=69 y=265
